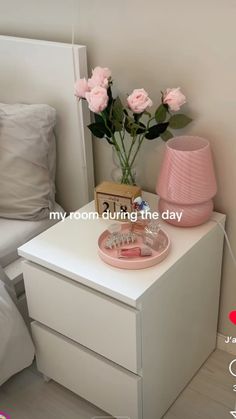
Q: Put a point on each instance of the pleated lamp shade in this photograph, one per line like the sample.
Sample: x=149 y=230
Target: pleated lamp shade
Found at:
x=187 y=180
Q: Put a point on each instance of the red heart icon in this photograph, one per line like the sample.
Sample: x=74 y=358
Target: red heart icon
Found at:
x=232 y=316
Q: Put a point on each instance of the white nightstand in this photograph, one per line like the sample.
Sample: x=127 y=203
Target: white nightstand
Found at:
x=127 y=341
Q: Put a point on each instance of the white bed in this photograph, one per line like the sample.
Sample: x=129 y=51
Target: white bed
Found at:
x=40 y=72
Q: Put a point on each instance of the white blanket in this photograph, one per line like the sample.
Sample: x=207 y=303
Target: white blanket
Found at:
x=16 y=347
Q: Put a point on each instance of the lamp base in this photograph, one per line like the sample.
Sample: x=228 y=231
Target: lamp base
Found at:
x=192 y=215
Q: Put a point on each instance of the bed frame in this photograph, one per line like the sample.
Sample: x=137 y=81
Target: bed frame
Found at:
x=33 y=71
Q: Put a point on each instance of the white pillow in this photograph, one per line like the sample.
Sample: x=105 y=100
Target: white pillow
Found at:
x=27 y=161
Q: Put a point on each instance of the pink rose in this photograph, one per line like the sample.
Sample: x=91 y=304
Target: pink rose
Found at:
x=81 y=88
x=100 y=77
x=138 y=101
x=97 y=99
x=174 y=98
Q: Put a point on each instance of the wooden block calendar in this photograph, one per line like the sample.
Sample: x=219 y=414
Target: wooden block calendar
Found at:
x=115 y=198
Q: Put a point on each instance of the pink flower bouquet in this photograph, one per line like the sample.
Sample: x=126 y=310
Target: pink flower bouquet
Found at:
x=126 y=126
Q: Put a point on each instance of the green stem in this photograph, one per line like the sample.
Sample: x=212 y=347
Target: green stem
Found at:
x=127 y=172
x=116 y=145
x=141 y=138
x=122 y=143
x=124 y=156
x=132 y=146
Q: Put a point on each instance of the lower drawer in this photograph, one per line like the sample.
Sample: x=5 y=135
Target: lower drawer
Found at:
x=97 y=380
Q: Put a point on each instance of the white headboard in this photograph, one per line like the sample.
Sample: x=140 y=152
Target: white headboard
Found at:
x=34 y=71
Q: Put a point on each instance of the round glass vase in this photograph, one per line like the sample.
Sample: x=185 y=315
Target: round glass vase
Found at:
x=122 y=172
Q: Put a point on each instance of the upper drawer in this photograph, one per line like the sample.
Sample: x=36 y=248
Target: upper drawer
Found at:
x=98 y=322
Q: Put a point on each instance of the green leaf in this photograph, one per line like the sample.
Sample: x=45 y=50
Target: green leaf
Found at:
x=117 y=114
x=98 y=118
x=133 y=127
x=128 y=124
x=117 y=125
x=160 y=114
x=107 y=113
x=109 y=93
x=99 y=130
x=166 y=135
x=118 y=109
x=147 y=113
x=137 y=116
x=156 y=131
x=179 y=121
x=141 y=129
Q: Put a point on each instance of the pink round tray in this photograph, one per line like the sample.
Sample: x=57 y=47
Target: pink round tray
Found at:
x=110 y=256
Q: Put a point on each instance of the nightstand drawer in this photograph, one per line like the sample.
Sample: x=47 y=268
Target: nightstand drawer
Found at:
x=98 y=322
x=103 y=383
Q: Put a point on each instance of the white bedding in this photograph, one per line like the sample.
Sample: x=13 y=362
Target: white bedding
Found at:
x=14 y=233
x=16 y=347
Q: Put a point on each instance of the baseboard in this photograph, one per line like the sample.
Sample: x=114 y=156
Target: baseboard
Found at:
x=227 y=347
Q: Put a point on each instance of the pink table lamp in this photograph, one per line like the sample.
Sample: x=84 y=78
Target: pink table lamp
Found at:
x=187 y=180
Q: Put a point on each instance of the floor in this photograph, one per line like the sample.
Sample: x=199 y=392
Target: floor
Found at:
x=209 y=396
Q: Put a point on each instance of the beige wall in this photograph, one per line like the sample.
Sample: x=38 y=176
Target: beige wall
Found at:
x=156 y=44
